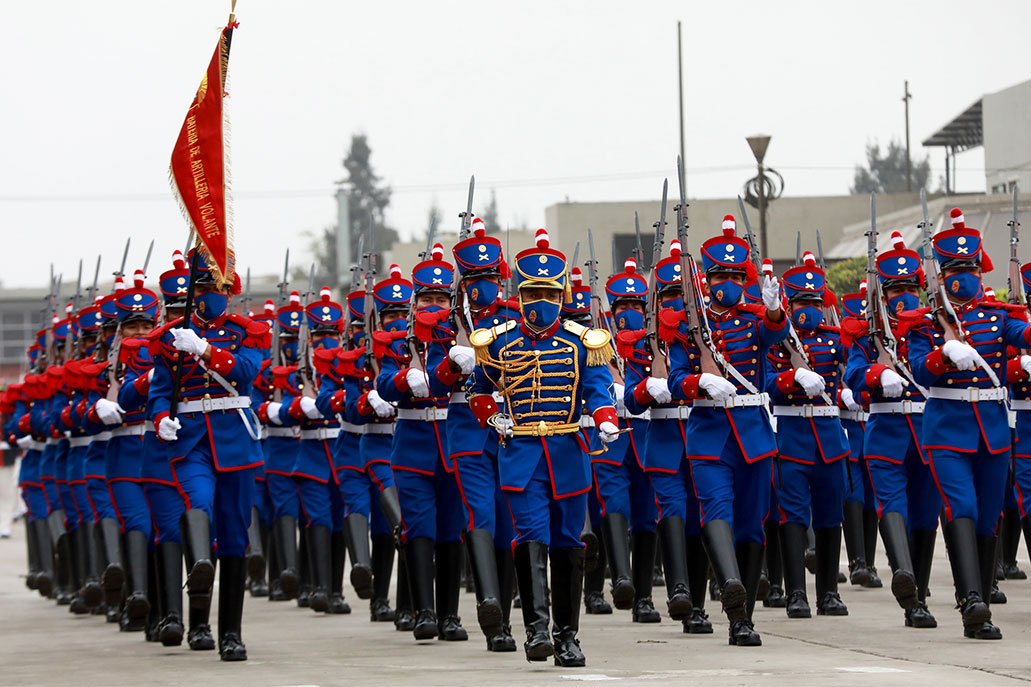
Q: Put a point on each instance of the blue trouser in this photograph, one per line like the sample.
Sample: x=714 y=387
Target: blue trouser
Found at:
x=676 y=497
x=1022 y=484
x=53 y=497
x=130 y=505
x=226 y=496
x=626 y=489
x=485 y=505
x=83 y=506
x=955 y=472
x=906 y=487
x=732 y=489
x=166 y=508
x=360 y=493
x=100 y=498
x=35 y=501
x=321 y=504
x=282 y=491
x=857 y=483
x=431 y=505
x=71 y=510
x=263 y=501
x=538 y=516
x=817 y=488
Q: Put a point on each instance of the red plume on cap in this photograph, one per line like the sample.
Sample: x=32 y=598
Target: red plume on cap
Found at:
x=989 y=292
x=576 y=276
x=729 y=225
x=295 y=298
x=395 y=272
x=630 y=266
x=177 y=260
x=270 y=306
x=542 y=239
x=119 y=283
x=138 y=278
x=958 y=221
x=896 y=241
x=862 y=288
x=767 y=267
x=479 y=228
x=55 y=319
x=437 y=252
x=69 y=308
x=325 y=294
x=674 y=248
x=808 y=259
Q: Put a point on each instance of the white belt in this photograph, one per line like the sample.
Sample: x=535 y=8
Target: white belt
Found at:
x=460 y=397
x=210 y=405
x=103 y=436
x=37 y=445
x=79 y=442
x=805 y=411
x=422 y=414
x=738 y=401
x=287 y=432
x=968 y=394
x=678 y=413
x=51 y=441
x=379 y=428
x=855 y=415
x=586 y=421
x=898 y=407
x=353 y=429
x=1020 y=405
x=132 y=430
x=321 y=433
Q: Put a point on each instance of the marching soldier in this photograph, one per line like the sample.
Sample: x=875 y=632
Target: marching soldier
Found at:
x=259 y=554
x=1020 y=401
x=545 y=371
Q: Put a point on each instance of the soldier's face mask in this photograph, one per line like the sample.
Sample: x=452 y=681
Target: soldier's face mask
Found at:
x=726 y=294
x=289 y=351
x=901 y=302
x=806 y=316
x=398 y=325
x=329 y=341
x=630 y=319
x=540 y=314
x=211 y=305
x=481 y=292
x=358 y=339
x=963 y=285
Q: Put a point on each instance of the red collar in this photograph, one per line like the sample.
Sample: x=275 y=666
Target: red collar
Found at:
x=539 y=336
x=486 y=312
x=207 y=324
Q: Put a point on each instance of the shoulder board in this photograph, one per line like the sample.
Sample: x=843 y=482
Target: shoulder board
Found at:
x=592 y=338
x=485 y=337
x=1008 y=307
x=756 y=309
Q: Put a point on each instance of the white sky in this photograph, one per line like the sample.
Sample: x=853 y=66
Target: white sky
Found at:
x=541 y=100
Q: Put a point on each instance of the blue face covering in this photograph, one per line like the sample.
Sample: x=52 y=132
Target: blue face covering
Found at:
x=326 y=342
x=539 y=315
x=674 y=303
x=210 y=305
x=358 y=339
x=807 y=316
x=91 y=349
x=109 y=340
x=398 y=325
x=964 y=285
x=481 y=292
x=630 y=319
x=726 y=294
x=430 y=308
x=902 y=302
x=288 y=349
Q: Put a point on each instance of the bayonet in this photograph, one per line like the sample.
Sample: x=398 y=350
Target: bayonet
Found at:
x=146 y=261
x=598 y=319
x=1014 y=287
x=638 y=250
x=303 y=343
x=660 y=366
x=576 y=255
x=467 y=217
x=284 y=285
x=247 y=294
x=93 y=289
x=430 y=235
x=125 y=256
x=798 y=249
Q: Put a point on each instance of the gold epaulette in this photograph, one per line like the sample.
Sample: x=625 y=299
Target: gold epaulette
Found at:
x=598 y=342
x=481 y=339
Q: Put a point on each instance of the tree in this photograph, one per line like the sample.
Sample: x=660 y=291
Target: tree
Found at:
x=490 y=216
x=887 y=173
x=844 y=277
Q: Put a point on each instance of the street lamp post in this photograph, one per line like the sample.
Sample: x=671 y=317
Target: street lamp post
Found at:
x=758 y=144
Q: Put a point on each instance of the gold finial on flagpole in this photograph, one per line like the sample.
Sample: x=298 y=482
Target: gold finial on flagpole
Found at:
x=232 y=12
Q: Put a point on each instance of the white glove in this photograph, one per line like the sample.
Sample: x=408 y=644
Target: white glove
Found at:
x=464 y=357
x=892 y=383
x=381 y=407
x=168 y=428
x=504 y=424
x=187 y=341
x=618 y=390
x=718 y=388
x=849 y=399
x=24 y=442
x=812 y=384
x=150 y=375
x=309 y=409
x=417 y=383
x=658 y=388
x=962 y=355
x=273 y=409
x=109 y=412
x=608 y=432
x=771 y=293
x=1025 y=364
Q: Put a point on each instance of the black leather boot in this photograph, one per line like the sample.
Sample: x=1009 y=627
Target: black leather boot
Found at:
x=137 y=606
x=195 y=528
x=382 y=566
x=63 y=561
x=419 y=557
x=987 y=554
x=170 y=585
x=1009 y=542
x=921 y=546
x=32 y=555
x=449 y=564
x=232 y=580
x=793 y=542
x=44 y=545
x=92 y=592
x=285 y=539
x=404 y=617
x=855 y=546
x=567 y=576
x=680 y=600
x=480 y=546
x=594 y=580
x=78 y=555
x=593 y=543
x=896 y=543
x=275 y=590
x=828 y=553
x=531 y=566
x=109 y=535
x=504 y=641
x=338 y=556
x=615 y=530
x=357 y=529
x=304 y=572
x=961 y=540
x=697 y=576
x=645 y=544
x=154 y=597
x=750 y=560
x=320 y=563
x=199 y=635
x=719 y=545
x=391 y=507
x=774 y=566
x=256 y=555
x=870 y=547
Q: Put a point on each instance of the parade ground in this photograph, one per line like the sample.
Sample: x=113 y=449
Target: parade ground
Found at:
x=43 y=644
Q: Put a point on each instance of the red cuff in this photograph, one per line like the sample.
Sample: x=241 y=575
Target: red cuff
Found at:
x=873 y=375
x=401 y=380
x=786 y=382
x=483 y=406
x=92 y=415
x=263 y=412
x=1014 y=371
x=25 y=424
x=66 y=416
x=606 y=414
x=775 y=326
x=157 y=423
x=690 y=386
x=447 y=374
x=142 y=383
x=641 y=394
x=295 y=409
x=222 y=361
x=935 y=362
x=82 y=407
x=363 y=405
x=336 y=401
x=56 y=433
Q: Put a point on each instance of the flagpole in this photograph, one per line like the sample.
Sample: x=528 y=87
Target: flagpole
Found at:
x=177 y=373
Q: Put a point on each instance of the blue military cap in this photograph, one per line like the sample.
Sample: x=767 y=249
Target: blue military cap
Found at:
x=627 y=285
x=137 y=303
x=667 y=270
x=289 y=316
x=108 y=309
x=726 y=252
x=393 y=293
x=480 y=254
x=324 y=314
x=91 y=318
x=542 y=265
x=579 y=300
x=433 y=274
x=356 y=306
x=854 y=304
x=805 y=281
x=899 y=265
x=960 y=246
x=175 y=282
x=1025 y=276
x=268 y=314
x=62 y=327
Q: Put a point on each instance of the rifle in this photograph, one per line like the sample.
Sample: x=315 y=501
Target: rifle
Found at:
x=274 y=358
x=1013 y=285
x=370 y=305
x=430 y=235
x=660 y=367
x=247 y=294
x=75 y=308
x=114 y=367
x=356 y=281
x=460 y=316
x=798 y=249
x=638 y=250
x=598 y=319
x=303 y=345
x=146 y=261
x=467 y=216
x=942 y=311
x=92 y=292
x=830 y=313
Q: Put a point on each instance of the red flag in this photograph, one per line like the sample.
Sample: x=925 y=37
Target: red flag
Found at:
x=199 y=171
